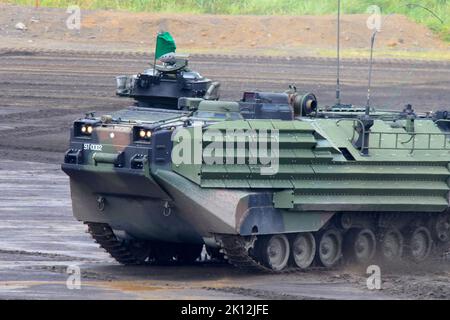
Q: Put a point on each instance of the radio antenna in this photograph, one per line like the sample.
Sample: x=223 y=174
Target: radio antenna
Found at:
x=338 y=51
x=372 y=42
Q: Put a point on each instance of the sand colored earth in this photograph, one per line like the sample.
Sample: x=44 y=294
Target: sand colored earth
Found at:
x=259 y=35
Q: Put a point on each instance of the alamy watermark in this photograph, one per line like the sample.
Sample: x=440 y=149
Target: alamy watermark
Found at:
x=373 y=281
x=73 y=22
x=374 y=21
x=73 y=281
x=232 y=146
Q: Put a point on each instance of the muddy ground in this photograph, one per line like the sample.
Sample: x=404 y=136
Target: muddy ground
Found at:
x=42 y=91
x=39 y=241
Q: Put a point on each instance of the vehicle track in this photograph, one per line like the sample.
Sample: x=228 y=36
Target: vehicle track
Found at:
x=57 y=86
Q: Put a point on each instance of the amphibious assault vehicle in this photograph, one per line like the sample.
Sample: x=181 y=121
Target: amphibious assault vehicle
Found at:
x=340 y=183
x=271 y=182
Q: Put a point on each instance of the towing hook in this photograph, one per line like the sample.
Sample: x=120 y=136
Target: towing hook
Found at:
x=167 y=209
x=90 y=114
x=101 y=203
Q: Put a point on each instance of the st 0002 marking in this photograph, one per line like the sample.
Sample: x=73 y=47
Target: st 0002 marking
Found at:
x=92 y=147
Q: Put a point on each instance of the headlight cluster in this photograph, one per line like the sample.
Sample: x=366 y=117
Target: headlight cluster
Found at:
x=145 y=134
x=86 y=129
x=142 y=134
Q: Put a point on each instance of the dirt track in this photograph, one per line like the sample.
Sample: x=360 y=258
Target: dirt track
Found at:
x=42 y=92
x=39 y=239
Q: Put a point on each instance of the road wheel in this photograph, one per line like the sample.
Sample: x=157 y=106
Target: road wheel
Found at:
x=419 y=244
x=274 y=251
x=441 y=227
x=303 y=250
x=390 y=246
x=360 y=245
x=329 y=249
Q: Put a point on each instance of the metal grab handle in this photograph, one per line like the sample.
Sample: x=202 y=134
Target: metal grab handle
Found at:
x=411 y=138
x=102 y=157
x=354 y=129
x=442 y=120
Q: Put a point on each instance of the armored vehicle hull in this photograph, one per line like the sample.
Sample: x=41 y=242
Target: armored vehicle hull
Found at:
x=114 y=192
x=273 y=181
x=339 y=188
x=329 y=199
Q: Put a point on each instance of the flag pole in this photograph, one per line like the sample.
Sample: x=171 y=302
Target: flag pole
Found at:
x=154 y=61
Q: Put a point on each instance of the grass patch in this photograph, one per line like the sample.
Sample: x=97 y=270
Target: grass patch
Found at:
x=364 y=53
x=271 y=7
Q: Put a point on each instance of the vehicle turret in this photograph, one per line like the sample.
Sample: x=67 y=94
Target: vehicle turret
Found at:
x=162 y=85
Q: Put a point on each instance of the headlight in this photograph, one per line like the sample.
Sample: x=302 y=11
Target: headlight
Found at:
x=145 y=134
x=84 y=128
x=142 y=134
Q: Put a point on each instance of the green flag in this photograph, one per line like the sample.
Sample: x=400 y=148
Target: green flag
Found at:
x=164 y=44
